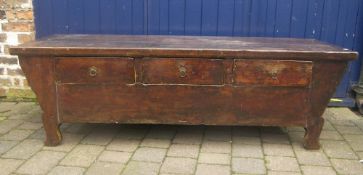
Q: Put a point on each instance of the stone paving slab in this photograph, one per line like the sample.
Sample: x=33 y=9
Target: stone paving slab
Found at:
x=175 y=150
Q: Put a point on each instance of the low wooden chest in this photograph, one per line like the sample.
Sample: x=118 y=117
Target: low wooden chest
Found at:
x=185 y=80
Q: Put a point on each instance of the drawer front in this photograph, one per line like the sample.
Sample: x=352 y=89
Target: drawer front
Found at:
x=273 y=73
x=182 y=71
x=95 y=70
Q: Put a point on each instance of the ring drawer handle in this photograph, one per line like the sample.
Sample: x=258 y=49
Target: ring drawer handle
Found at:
x=92 y=71
x=182 y=71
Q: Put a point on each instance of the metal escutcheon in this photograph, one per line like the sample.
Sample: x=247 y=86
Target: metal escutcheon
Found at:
x=182 y=71
x=92 y=71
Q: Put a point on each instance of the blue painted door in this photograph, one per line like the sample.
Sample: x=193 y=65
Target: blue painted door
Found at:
x=334 y=21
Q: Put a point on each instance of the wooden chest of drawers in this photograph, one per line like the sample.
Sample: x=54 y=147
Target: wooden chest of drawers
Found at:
x=182 y=80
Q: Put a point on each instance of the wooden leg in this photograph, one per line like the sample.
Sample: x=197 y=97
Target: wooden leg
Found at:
x=52 y=132
x=312 y=134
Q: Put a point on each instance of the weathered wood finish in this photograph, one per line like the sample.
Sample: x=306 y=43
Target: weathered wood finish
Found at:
x=183 y=80
x=182 y=71
x=273 y=73
x=106 y=70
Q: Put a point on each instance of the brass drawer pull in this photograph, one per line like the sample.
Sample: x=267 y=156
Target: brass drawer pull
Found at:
x=182 y=71
x=92 y=71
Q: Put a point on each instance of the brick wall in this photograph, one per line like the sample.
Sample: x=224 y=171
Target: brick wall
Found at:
x=16 y=27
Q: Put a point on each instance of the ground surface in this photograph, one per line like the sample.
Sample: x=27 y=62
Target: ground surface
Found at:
x=159 y=149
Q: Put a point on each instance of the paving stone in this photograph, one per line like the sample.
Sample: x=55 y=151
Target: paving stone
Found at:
x=68 y=143
x=38 y=134
x=359 y=124
x=318 y=170
x=347 y=166
x=6 y=106
x=360 y=154
x=22 y=108
x=64 y=170
x=188 y=138
x=343 y=113
x=310 y=157
x=330 y=135
x=101 y=135
x=191 y=129
x=30 y=126
x=278 y=150
x=214 y=158
x=282 y=173
x=242 y=150
x=338 y=149
x=204 y=169
x=149 y=154
x=120 y=144
x=41 y=163
x=355 y=141
x=105 y=168
x=132 y=132
x=6 y=145
x=273 y=130
x=82 y=155
x=161 y=132
x=114 y=156
x=77 y=128
x=7 y=166
x=246 y=131
x=216 y=147
x=296 y=137
x=16 y=135
x=275 y=138
x=277 y=163
x=248 y=166
x=341 y=122
x=218 y=133
x=182 y=150
x=141 y=168
x=328 y=126
x=178 y=165
x=295 y=129
x=7 y=125
x=25 y=117
x=156 y=143
x=24 y=150
x=349 y=130
x=246 y=140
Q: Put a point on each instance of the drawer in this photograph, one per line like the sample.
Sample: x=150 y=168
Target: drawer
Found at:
x=273 y=72
x=182 y=71
x=95 y=70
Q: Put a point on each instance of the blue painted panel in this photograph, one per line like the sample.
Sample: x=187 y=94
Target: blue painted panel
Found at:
x=298 y=18
x=283 y=18
x=153 y=27
x=124 y=16
x=91 y=16
x=193 y=17
x=334 y=21
x=60 y=18
x=138 y=16
x=75 y=16
x=107 y=16
x=210 y=17
x=225 y=17
x=176 y=17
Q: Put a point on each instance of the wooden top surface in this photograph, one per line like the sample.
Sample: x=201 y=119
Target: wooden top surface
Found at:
x=183 y=46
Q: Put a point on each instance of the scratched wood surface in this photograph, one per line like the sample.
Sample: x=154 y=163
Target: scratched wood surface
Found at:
x=273 y=73
x=183 y=80
x=184 y=46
